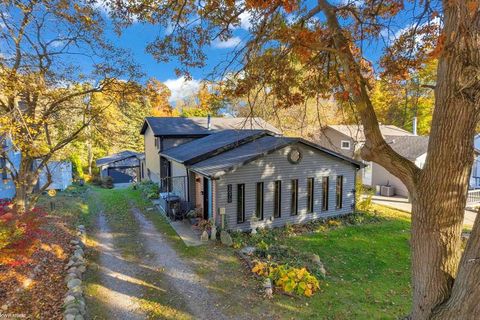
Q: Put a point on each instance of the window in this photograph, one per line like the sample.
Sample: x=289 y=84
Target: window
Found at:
x=156 y=142
x=229 y=193
x=277 y=198
x=3 y=167
x=294 y=203
x=259 y=204
x=240 y=203
x=339 y=192
x=142 y=173
x=325 y=193
x=345 y=144
x=310 y=190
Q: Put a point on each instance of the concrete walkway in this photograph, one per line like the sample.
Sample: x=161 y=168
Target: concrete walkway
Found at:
x=190 y=237
x=401 y=203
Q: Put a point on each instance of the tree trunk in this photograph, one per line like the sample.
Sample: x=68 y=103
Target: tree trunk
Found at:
x=90 y=158
x=25 y=183
x=439 y=190
x=463 y=302
x=439 y=197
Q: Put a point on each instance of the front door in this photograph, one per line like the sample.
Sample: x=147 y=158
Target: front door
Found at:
x=206 y=191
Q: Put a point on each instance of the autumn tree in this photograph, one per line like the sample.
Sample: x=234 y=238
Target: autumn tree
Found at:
x=157 y=96
x=327 y=39
x=399 y=101
x=208 y=100
x=53 y=58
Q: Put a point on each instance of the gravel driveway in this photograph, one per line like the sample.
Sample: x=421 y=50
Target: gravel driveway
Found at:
x=179 y=275
x=116 y=276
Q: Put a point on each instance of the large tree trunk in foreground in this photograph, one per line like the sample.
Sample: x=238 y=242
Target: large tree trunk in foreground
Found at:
x=439 y=196
x=25 y=183
x=443 y=288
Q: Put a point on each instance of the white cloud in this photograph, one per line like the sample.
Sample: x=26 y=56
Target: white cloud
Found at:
x=182 y=88
x=229 y=43
x=245 y=20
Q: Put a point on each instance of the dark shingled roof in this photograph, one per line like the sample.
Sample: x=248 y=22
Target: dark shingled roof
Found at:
x=122 y=155
x=220 y=164
x=208 y=146
x=178 y=126
x=410 y=147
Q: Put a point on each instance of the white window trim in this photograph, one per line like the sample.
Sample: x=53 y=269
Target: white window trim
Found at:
x=349 y=145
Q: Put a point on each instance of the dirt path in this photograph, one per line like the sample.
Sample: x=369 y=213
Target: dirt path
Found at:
x=124 y=285
x=116 y=276
x=179 y=275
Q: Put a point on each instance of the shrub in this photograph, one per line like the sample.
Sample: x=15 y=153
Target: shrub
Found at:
x=363 y=197
x=205 y=225
x=289 y=279
x=19 y=233
x=96 y=181
x=107 y=182
x=149 y=189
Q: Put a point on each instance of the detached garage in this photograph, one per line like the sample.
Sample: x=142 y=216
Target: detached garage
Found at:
x=123 y=167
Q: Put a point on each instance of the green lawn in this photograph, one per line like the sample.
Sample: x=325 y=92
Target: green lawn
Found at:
x=368 y=269
x=368 y=265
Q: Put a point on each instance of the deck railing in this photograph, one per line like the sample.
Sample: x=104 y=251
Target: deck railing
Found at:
x=473 y=197
x=174 y=196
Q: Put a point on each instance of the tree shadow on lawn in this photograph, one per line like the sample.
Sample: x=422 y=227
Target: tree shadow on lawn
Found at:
x=146 y=285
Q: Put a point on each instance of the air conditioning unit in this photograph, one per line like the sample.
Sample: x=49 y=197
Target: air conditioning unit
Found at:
x=387 y=191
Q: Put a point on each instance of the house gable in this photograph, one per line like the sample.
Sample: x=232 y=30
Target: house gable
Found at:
x=276 y=166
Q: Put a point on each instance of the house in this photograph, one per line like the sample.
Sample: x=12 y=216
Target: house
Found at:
x=162 y=133
x=61 y=171
x=475 y=175
x=123 y=167
x=349 y=139
x=61 y=175
x=249 y=178
x=7 y=164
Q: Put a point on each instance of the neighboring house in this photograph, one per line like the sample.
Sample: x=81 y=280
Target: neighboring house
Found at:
x=7 y=187
x=163 y=133
x=61 y=172
x=61 y=175
x=252 y=178
x=349 y=139
x=123 y=167
x=475 y=176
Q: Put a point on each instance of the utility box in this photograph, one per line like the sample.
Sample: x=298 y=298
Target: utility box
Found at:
x=387 y=191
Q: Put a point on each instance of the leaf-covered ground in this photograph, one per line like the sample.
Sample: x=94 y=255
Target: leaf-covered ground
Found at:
x=41 y=296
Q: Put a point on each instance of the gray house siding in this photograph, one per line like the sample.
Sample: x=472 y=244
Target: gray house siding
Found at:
x=276 y=166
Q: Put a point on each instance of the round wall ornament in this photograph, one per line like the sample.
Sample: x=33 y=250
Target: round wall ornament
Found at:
x=294 y=156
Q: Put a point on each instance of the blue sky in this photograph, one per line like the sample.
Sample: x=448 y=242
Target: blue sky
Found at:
x=138 y=36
